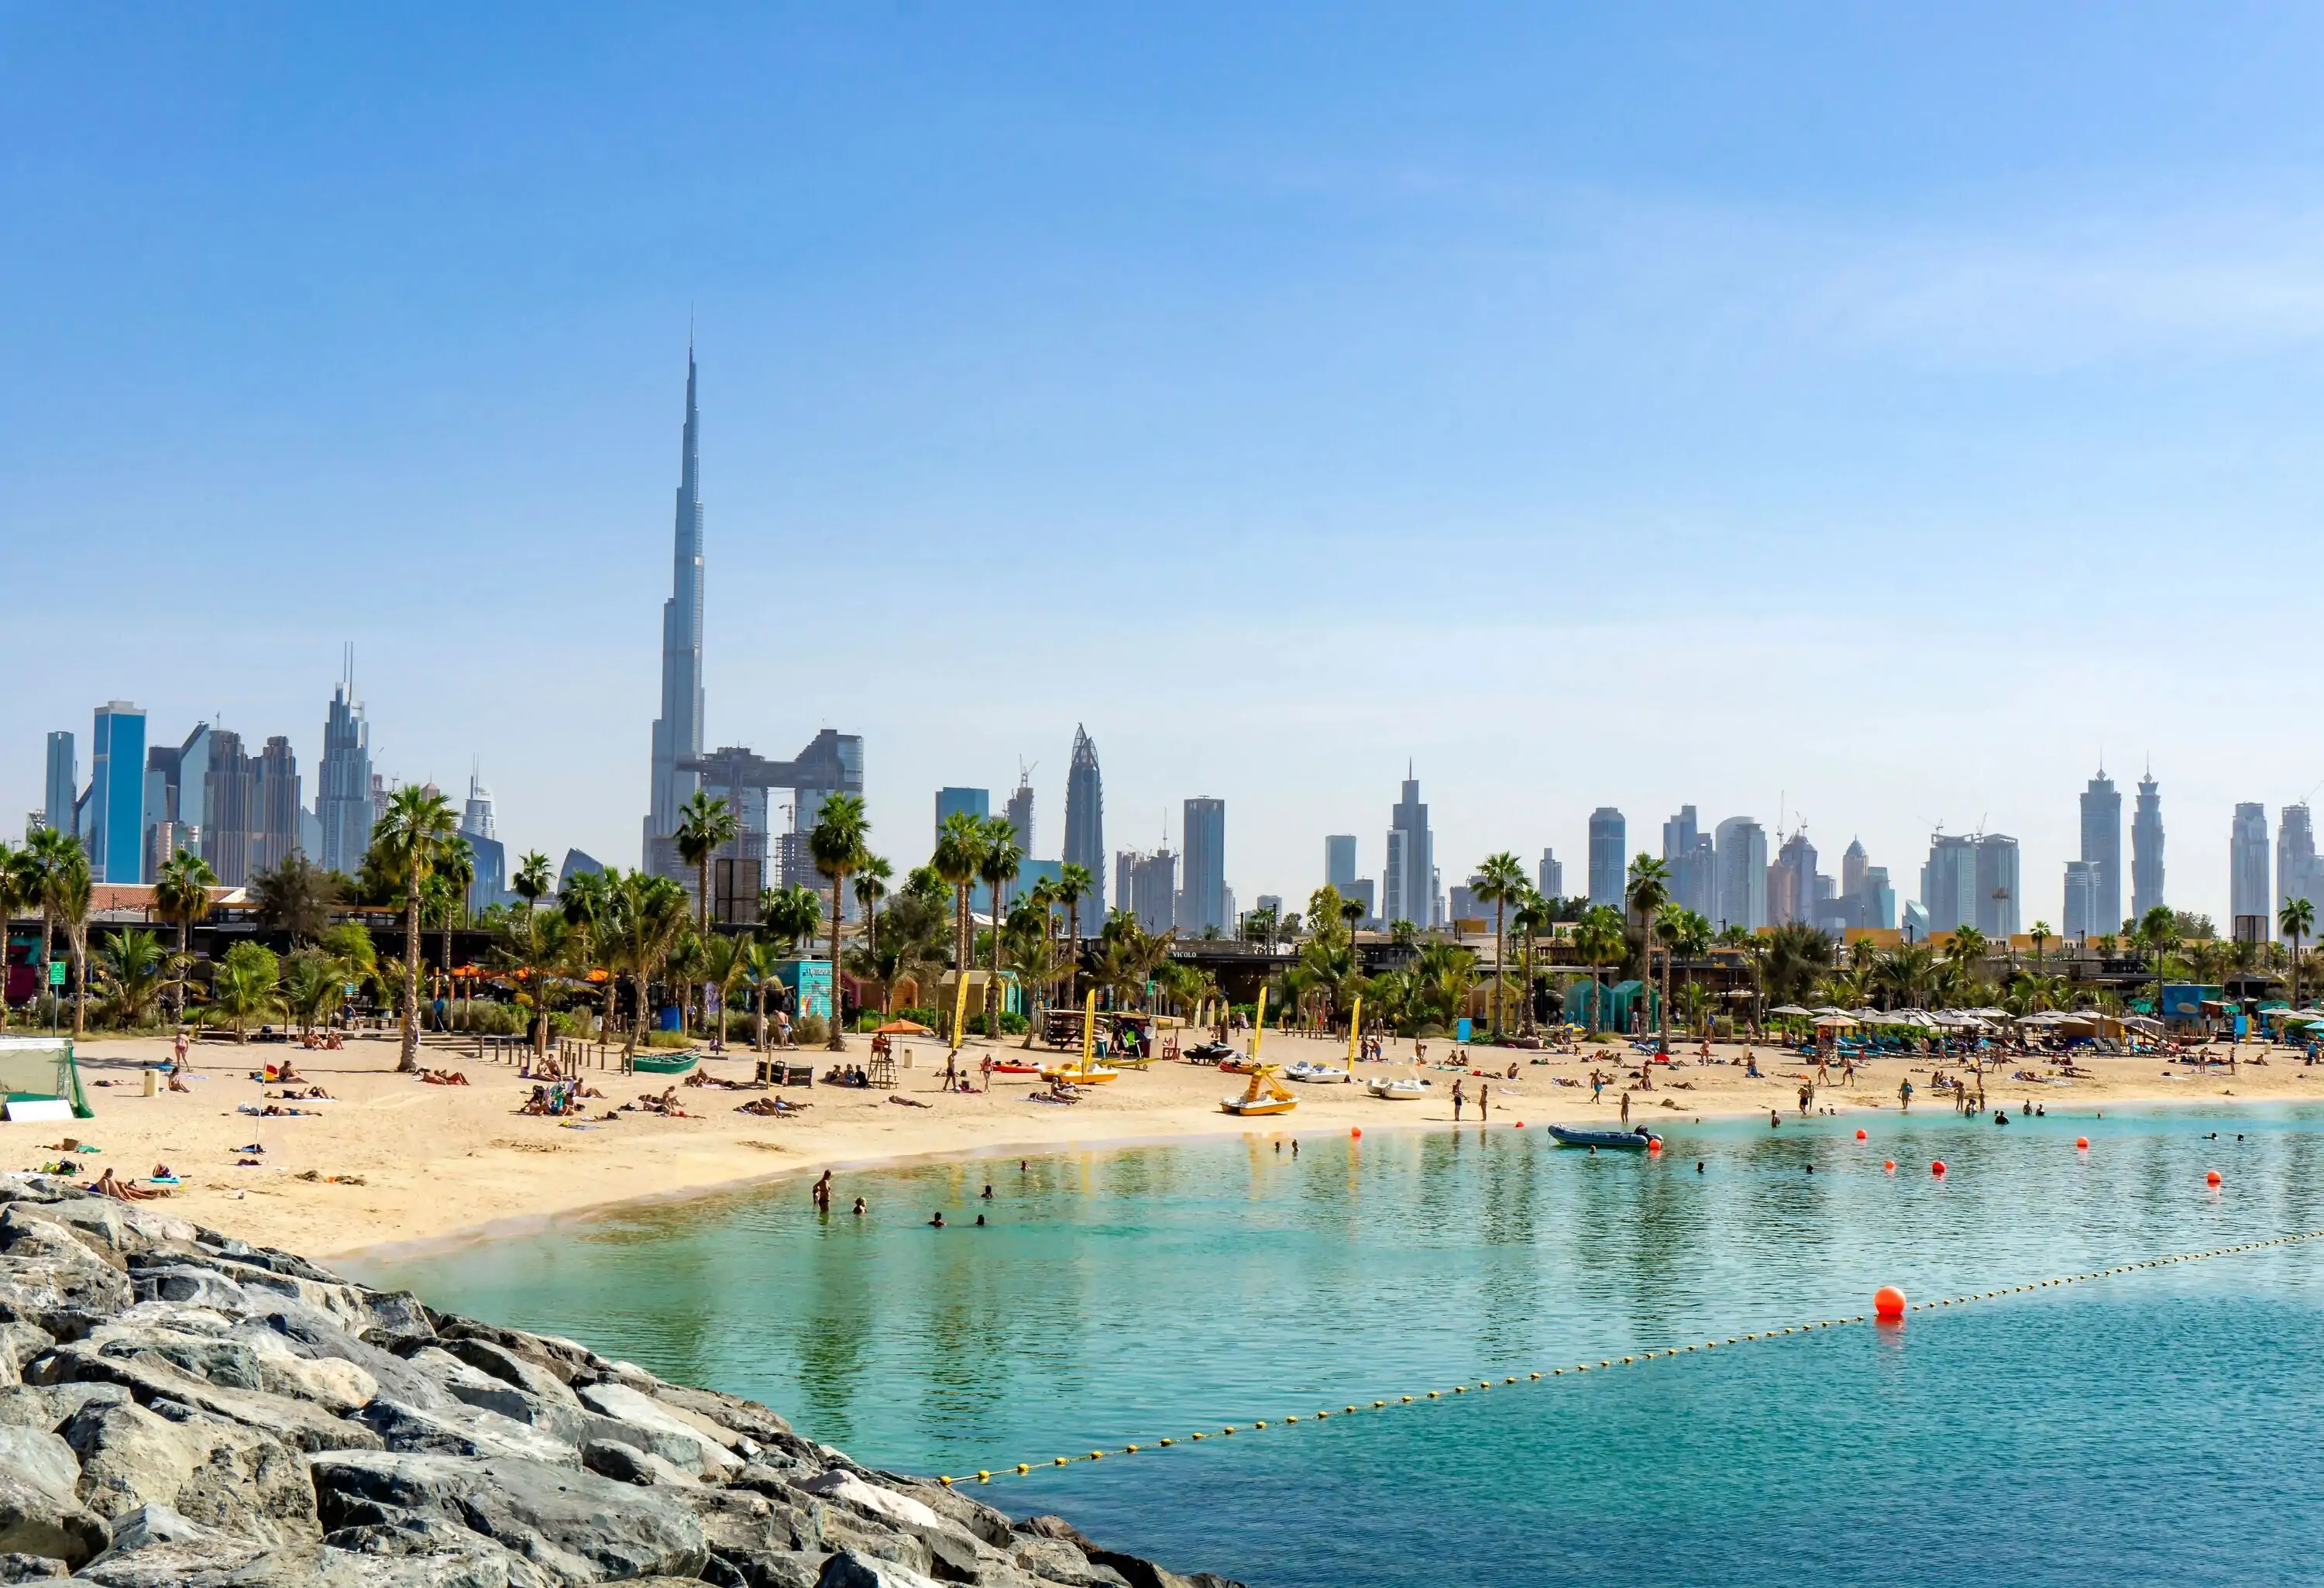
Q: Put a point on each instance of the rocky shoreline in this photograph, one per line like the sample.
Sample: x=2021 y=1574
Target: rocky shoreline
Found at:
x=180 y=1409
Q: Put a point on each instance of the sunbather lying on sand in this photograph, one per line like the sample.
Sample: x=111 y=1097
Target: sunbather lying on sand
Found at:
x=773 y=1107
x=444 y=1077
x=107 y=1184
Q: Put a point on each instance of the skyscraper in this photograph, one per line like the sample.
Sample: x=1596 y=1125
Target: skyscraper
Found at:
x=1742 y=849
x=1972 y=881
x=1146 y=885
x=678 y=731
x=1853 y=863
x=62 y=784
x=969 y=802
x=2248 y=889
x=1086 y=822
x=1551 y=877
x=1693 y=863
x=1020 y=812
x=2102 y=847
x=343 y=781
x=1340 y=861
x=115 y=814
x=1608 y=836
x=229 y=807
x=1791 y=882
x=274 y=838
x=2145 y=851
x=2297 y=872
x=1408 y=880
x=479 y=826
x=2082 y=921
x=1203 y=839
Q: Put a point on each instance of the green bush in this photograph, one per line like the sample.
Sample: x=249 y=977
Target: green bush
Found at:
x=810 y=1031
x=925 y=1017
x=1013 y=1024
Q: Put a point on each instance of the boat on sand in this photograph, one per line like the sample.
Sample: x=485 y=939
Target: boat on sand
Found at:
x=1265 y=1095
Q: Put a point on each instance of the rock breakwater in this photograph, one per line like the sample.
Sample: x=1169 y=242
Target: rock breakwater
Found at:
x=180 y=1410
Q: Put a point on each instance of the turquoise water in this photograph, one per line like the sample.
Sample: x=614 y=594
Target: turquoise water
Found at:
x=2151 y=1427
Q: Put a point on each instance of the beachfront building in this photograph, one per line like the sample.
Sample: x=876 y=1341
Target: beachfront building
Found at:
x=1608 y=862
x=1203 y=907
x=343 y=802
x=1086 y=822
x=1551 y=879
x=678 y=731
x=2146 y=848
x=1741 y=849
x=2102 y=848
x=2297 y=872
x=1408 y=880
x=2248 y=897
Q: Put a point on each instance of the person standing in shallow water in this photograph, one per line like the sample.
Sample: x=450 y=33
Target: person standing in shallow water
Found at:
x=822 y=1193
x=1626 y=1106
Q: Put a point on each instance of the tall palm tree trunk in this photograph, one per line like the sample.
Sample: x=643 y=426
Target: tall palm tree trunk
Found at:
x=1500 y=953
x=838 y=1044
x=408 y=1060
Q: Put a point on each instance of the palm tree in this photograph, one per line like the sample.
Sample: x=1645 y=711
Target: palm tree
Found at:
x=297 y=897
x=1534 y=916
x=726 y=963
x=2295 y=921
x=1683 y=931
x=959 y=854
x=135 y=968
x=242 y=988
x=412 y=839
x=838 y=847
x=455 y=874
x=537 y=946
x=311 y=988
x=1648 y=889
x=1500 y=881
x=792 y=914
x=997 y=868
x=585 y=901
x=2041 y=933
x=705 y=825
x=649 y=916
x=1598 y=939
x=181 y=892
x=531 y=881
x=66 y=893
x=871 y=887
x=1074 y=884
x=2158 y=931
x=14 y=896
x=45 y=851
x=758 y=969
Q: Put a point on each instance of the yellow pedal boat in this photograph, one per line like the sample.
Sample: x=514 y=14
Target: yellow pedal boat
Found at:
x=1266 y=1094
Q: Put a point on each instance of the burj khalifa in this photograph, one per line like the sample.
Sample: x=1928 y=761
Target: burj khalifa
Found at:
x=678 y=731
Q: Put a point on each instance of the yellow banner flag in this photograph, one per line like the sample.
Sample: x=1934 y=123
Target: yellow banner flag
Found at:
x=1089 y=1030
x=1259 y=1026
x=960 y=1011
x=1355 y=1032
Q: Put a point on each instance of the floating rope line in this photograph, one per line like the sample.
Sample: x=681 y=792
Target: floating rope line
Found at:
x=1021 y=1469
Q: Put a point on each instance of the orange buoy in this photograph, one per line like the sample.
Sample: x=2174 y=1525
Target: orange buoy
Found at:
x=1355 y=1131
x=1860 y=1135
x=1890 y=1165
x=1654 y=1144
x=1889 y=1305
x=2081 y=1143
x=1937 y=1169
x=2212 y=1178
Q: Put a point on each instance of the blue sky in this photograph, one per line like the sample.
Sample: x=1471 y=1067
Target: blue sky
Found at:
x=1869 y=416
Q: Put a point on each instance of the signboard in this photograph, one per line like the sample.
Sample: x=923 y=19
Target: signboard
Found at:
x=56 y=973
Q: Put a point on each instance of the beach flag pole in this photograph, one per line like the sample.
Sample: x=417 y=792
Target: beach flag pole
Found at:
x=1259 y=1026
x=960 y=1011
x=1089 y=1030
x=1355 y=1033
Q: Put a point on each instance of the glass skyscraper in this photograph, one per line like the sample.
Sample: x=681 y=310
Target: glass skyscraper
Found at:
x=115 y=817
x=1609 y=837
x=343 y=781
x=1202 y=843
x=1086 y=822
x=2102 y=848
x=2146 y=849
x=678 y=731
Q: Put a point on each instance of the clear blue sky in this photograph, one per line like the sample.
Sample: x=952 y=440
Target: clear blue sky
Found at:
x=1869 y=413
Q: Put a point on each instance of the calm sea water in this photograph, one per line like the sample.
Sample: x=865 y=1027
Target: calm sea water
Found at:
x=2156 y=1428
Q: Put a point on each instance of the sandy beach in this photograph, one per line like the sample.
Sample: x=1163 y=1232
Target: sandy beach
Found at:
x=391 y=1160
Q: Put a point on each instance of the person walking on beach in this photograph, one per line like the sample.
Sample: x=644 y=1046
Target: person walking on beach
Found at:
x=1597 y=1085
x=1904 y=1096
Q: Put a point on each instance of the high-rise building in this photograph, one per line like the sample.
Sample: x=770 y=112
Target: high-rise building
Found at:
x=62 y=784
x=2082 y=919
x=678 y=731
x=2146 y=849
x=1791 y=882
x=1020 y=812
x=1408 y=882
x=1146 y=885
x=114 y=810
x=343 y=780
x=1363 y=892
x=1203 y=839
x=1693 y=863
x=2102 y=847
x=1551 y=879
x=2247 y=891
x=1742 y=850
x=275 y=837
x=1879 y=900
x=229 y=807
x=1085 y=821
x=953 y=802
x=1608 y=862
x=1340 y=861
x=2299 y=874
x=1853 y=864
x=488 y=886
x=1971 y=881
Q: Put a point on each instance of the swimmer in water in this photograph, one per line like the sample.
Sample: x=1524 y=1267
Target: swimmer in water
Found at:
x=1698 y=1165
x=861 y=1207
x=1775 y=1120
x=988 y=1193
x=937 y=1223
x=979 y=1221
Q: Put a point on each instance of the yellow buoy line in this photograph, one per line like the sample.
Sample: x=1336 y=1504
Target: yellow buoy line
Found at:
x=1021 y=1469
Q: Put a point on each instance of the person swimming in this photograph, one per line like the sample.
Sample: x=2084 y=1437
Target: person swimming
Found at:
x=861 y=1208
x=937 y=1222
x=1698 y=1165
x=979 y=1221
x=1775 y=1120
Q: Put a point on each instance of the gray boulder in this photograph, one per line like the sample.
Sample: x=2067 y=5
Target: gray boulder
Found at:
x=847 y=1569
x=41 y=1459
x=19 y=1568
x=60 y=1287
x=704 y=1451
x=626 y=1464
x=510 y=1368
x=150 y=1377
x=574 y=1524
x=47 y=1405
x=214 y=1472
x=155 y=1547
x=457 y=1429
x=37 y=1520
x=188 y=1286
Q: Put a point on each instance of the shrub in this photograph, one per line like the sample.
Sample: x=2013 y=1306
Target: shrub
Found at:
x=1013 y=1024
x=810 y=1030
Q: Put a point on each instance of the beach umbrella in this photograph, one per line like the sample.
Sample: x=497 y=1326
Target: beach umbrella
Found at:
x=904 y=1028
x=1789 y=1009
x=1834 y=1022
